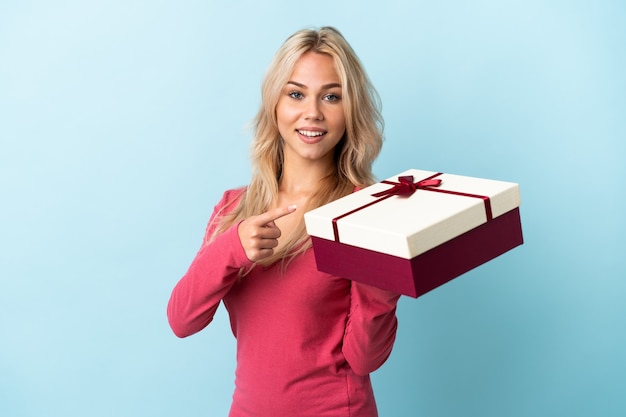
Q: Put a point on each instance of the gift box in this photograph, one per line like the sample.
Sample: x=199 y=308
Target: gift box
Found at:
x=416 y=231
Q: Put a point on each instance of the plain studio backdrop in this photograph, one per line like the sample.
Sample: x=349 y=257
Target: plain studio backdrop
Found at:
x=122 y=122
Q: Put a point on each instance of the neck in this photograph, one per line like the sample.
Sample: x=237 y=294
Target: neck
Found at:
x=303 y=179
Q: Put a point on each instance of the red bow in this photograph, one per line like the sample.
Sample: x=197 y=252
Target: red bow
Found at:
x=405 y=187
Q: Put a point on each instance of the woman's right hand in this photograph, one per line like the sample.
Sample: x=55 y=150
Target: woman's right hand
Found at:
x=259 y=234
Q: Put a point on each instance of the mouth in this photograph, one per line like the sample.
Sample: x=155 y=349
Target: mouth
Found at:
x=311 y=137
x=311 y=133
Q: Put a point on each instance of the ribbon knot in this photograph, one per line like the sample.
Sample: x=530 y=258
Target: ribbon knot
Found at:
x=406 y=187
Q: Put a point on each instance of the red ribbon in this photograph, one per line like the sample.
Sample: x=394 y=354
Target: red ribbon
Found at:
x=406 y=187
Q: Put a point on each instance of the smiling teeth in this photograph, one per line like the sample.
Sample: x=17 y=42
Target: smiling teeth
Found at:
x=309 y=133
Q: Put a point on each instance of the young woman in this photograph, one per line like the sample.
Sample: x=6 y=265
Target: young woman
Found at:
x=306 y=341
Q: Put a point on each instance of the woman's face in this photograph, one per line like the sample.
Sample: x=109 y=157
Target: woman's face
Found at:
x=310 y=111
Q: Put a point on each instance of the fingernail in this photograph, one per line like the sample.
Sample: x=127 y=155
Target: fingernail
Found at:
x=292 y=207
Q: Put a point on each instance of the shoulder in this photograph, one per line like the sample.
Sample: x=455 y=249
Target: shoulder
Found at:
x=230 y=199
x=233 y=195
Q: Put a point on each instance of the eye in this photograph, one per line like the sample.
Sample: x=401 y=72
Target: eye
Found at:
x=295 y=95
x=331 y=97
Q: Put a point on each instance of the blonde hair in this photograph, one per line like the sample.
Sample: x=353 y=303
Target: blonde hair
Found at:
x=354 y=154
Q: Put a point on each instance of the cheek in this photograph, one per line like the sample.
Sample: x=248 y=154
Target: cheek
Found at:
x=283 y=120
x=339 y=115
x=340 y=122
x=285 y=115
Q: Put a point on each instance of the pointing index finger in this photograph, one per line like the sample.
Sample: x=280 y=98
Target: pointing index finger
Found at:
x=276 y=213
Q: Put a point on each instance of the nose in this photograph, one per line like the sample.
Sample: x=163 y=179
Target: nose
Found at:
x=314 y=110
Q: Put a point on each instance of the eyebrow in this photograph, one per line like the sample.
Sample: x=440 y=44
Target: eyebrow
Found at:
x=324 y=87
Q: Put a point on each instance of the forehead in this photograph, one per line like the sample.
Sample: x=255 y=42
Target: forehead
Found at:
x=315 y=68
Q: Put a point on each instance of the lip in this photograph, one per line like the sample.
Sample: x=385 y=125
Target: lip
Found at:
x=311 y=139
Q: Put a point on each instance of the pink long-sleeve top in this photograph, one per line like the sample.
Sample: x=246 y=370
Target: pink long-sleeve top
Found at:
x=306 y=340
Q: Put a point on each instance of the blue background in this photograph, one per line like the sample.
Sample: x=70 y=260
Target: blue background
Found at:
x=121 y=123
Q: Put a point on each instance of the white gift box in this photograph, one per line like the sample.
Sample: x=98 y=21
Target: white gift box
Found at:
x=417 y=230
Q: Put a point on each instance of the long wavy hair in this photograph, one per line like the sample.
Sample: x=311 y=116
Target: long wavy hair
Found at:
x=354 y=154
